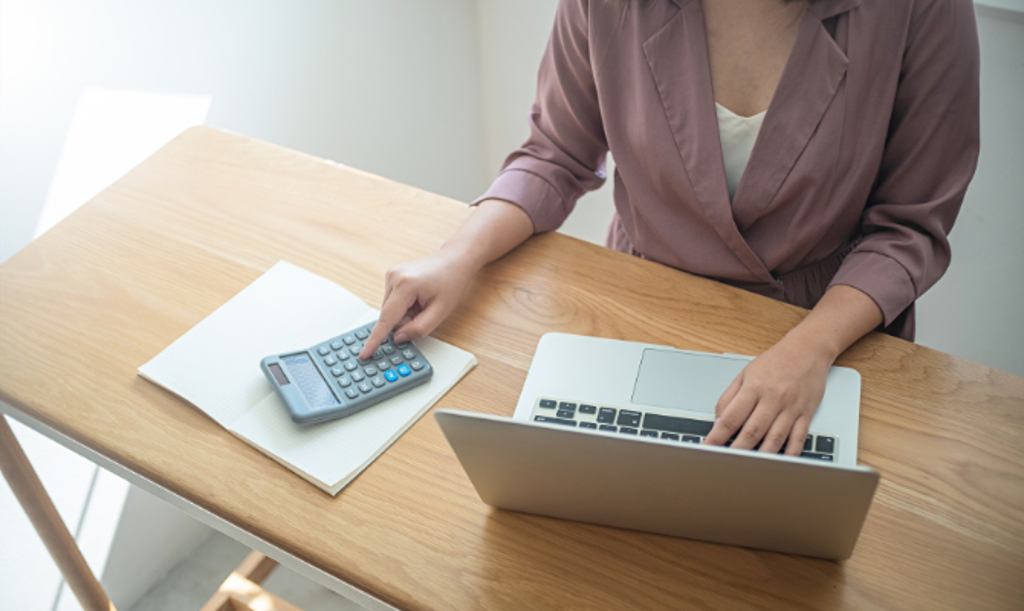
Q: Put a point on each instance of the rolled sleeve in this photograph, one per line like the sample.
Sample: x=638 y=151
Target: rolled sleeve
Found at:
x=880 y=277
x=930 y=156
x=564 y=156
x=545 y=206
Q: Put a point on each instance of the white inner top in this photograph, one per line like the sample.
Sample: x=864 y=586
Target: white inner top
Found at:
x=738 y=135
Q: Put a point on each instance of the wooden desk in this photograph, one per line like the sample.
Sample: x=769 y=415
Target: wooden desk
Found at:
x=103 y=292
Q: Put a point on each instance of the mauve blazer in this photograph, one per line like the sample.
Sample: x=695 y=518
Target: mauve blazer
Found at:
x=856 y=178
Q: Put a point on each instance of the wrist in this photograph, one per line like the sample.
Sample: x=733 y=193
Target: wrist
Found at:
x=818 y=343
x=463 y=255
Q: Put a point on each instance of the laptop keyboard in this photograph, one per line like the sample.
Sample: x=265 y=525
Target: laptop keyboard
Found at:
x=654 y=424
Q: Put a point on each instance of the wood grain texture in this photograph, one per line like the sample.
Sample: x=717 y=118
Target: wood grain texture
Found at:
x=86 y=304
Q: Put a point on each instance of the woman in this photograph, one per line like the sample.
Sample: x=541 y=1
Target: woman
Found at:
x=867 y=142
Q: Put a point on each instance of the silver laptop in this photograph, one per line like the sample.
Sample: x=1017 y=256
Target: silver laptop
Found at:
x=608 y=432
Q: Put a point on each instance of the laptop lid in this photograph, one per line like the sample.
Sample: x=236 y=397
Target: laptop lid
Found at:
x=778 y=503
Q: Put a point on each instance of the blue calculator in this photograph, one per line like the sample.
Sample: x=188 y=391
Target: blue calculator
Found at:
x=330 y=381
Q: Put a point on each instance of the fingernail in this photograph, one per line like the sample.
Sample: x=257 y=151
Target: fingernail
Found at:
x=401 y=338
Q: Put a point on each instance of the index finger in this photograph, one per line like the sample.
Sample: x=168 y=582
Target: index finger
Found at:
x=392 y=312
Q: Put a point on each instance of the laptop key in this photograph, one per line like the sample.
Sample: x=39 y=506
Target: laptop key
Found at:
x=608 y=427
x=588 y=425
x=826 y=445
x=691 y=438
x=566 y=405
x=807 y=444
x=606 y=415
x=671 y=436
x=566 y=413
x=816 y=456
x=588 y=409
x=629 y=418
x=550 y=420
x=649 y=433
x=676 y=424
x=547 y=403
x=627 y=430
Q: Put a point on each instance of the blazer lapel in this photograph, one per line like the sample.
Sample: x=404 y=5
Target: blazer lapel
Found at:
x=809 y=82
x=678 y=58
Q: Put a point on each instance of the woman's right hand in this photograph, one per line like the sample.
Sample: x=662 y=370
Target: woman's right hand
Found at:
x=420 y=294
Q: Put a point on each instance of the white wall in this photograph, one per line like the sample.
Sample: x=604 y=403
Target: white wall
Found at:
x=389 y=86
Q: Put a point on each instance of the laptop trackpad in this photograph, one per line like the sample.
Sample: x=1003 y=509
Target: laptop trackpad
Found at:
x=680 y=380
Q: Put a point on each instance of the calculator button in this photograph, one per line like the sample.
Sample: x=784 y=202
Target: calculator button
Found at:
x=362 y=334
x=337 y=371
x=378 y=381
x=336 y=345
x=396 y=360
x=416 y=365
x=357 y=377
x=403 y=345
x=391 y=375
x=409 y=354
x=351 y=393
x=344 y=382
x=355 y=350
x=388 y=349
x=383 y=365
x=370 y=371
x=350 y=366
x=377 y=355
x=324 y=350
x=365 y=387
x=343 y=356
x=349 y=339
x=330 y=361
x=403 y=370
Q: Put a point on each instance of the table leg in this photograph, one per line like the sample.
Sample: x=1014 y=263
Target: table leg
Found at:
x=36 y=502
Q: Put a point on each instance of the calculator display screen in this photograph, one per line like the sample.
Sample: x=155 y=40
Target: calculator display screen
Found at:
x=310 y=382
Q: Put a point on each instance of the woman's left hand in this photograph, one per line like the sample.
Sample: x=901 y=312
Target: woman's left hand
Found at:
x=773 y=399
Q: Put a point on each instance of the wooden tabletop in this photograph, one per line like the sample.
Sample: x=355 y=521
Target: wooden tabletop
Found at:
x=85 y=305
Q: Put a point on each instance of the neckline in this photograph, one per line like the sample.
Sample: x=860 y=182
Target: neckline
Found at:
x=731 y=114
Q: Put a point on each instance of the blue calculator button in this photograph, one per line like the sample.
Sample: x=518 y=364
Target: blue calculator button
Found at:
x=403 y=370
x=391 y=375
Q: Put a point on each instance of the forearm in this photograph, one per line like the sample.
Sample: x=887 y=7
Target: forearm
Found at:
x=843 y=315
x=493 y=229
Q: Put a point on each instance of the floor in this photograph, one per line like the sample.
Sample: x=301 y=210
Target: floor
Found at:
x=193 y=580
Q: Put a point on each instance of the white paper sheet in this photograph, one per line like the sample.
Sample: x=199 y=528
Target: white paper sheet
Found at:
x=215 y=366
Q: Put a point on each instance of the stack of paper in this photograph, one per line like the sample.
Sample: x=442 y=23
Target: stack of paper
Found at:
x=216 y=367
